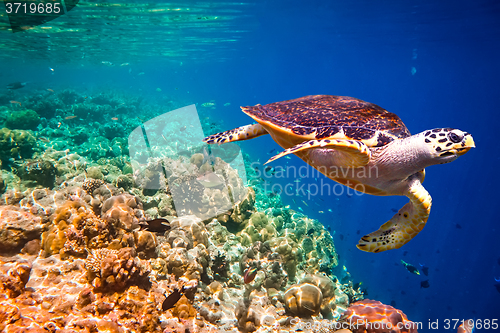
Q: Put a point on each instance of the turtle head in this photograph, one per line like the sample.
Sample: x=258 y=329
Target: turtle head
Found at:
x=447 y=144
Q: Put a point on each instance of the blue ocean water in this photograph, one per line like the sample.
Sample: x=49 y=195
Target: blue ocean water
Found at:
x=433 y=63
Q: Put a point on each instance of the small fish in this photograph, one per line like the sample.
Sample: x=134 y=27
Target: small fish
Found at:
x=272 y=151
x=458 y=226
x=320 y=211
x=329 y=210
x=227 y=104
x=50 y=90
x=300 y=208
x=158 y=89
x=305 y=203
x=156 y=225
x=16 y=85
x=425 y=284
x=249 y=275
x=107 y=63
x=208 y=104
x=124 y=64
x=357 y=285
x=70 y=117
x=394 y=210
x=288 y=157
x=43 y=139
x=183 y=128
x=393 y=303
x=15 y=102
x=114 y=118
x=141 y=73
x=210 y=180
x=341 y=237
x=269 y=170
x=410 y=268
x=171 y=299
x=51 y=69
x=358 y=232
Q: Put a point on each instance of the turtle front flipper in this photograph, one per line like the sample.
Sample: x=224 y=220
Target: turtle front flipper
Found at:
x=352 y=153
x=238 y=134
x=403 y=226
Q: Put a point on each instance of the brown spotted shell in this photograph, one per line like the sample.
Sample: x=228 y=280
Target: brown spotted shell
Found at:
x=330 y=117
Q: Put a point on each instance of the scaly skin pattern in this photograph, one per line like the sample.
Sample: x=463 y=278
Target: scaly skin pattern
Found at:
x=359 y=154
x=404 y=225
x=238 y=134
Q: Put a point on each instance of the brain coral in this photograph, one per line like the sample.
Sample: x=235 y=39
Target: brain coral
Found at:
x=368 y=316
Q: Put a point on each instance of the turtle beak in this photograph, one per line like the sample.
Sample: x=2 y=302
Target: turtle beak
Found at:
x=466 y=144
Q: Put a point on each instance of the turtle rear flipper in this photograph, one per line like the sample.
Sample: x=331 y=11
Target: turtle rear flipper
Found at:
x=352 y=154
x=403 y=226
x=238 y=134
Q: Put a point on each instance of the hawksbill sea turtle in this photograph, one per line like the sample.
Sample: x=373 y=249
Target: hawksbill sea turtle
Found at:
x=360 y=145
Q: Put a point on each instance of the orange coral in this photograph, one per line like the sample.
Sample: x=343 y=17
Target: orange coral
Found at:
x=368 y=316
x=120 y=210
x=116 y=270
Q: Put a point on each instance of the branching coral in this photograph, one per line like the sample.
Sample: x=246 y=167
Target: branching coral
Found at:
x=90 y=184
x=115 y=270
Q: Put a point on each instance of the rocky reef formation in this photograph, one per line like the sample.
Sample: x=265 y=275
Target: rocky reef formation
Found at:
x=84 y=258
x=93 y=240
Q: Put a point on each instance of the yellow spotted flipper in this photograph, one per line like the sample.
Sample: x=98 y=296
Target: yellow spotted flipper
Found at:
x=356 y=153
x=403 y=226
x=238 y=134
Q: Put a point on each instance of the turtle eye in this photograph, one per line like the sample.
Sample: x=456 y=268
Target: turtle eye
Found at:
x=454 y=137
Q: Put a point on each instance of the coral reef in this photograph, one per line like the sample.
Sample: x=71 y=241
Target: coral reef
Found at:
x=23 y=120
x=303 y=300
x=16 y=144
x=17 y=227
x=368 y=316
x=115 y=270
x=76 y=219
x=41 y=172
